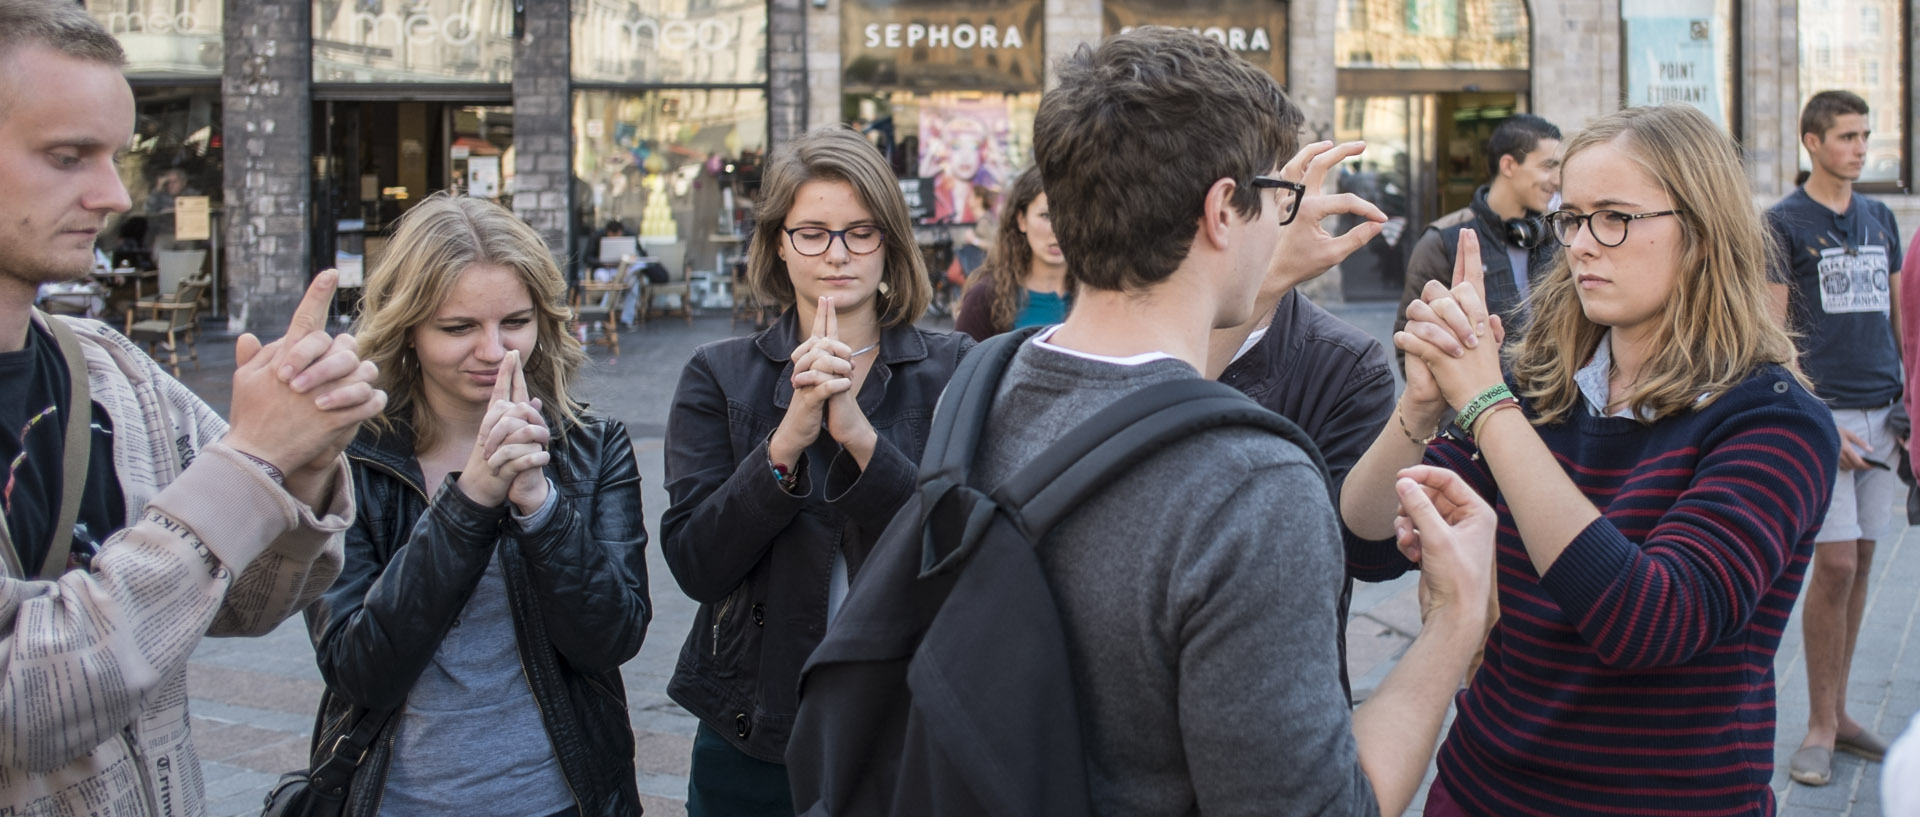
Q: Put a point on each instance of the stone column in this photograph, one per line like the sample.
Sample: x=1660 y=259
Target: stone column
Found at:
x=266 y=116
x=787 y=76
x=543 y=125
x=1070 y=23
x=1312 y=84
x=1576 y=61
x=1770 y=91
x=822 y=62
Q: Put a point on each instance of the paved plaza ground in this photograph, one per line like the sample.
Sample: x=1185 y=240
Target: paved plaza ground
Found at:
x=253 y=699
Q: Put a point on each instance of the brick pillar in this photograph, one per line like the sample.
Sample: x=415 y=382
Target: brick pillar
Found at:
x=543 y=126
x=787 y=71
x=266 y=112
x=1576 y=62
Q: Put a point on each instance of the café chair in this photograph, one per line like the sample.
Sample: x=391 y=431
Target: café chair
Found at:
x=171 y=318
x=596 y=306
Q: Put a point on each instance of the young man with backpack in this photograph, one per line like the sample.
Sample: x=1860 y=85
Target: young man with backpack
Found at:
x=1193 y=583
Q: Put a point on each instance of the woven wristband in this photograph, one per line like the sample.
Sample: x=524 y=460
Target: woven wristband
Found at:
x=1481 y=402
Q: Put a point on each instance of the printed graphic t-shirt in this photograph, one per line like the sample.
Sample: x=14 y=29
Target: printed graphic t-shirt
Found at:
x=1838 y=266
x=33 y=417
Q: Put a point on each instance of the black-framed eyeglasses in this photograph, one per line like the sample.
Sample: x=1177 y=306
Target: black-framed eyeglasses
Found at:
x=861 y=239
x=1609 y=227
x=1289 y=200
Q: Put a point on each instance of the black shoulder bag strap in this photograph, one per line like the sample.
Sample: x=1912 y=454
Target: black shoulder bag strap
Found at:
x=327 y=784
x=76 y=457
x=1125 y=434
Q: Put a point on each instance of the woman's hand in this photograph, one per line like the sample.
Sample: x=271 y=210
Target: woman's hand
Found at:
x=811 y=388
x=1450 y=332
x=833 y=369
x=512 y=443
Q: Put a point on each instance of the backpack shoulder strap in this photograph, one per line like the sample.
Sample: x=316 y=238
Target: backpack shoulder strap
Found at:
x=962 y=410
x=1125 y=434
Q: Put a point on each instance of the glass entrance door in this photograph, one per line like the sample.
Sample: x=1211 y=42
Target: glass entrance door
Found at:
x=1426 y=155
x=1396 y=174
x=374 y=159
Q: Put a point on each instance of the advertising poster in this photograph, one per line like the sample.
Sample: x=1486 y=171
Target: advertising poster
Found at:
x=964 y=147
x=483 y=176
x=1673 y=55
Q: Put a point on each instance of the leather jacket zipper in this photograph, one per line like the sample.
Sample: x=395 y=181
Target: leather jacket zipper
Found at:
x=564 y=778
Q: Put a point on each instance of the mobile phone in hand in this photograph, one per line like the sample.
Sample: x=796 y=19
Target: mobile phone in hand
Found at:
x=1876 y=464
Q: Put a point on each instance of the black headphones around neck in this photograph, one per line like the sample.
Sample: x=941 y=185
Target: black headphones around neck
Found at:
x=1526 y=233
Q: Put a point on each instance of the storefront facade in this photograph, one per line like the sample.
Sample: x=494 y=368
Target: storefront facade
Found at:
x=310 y=125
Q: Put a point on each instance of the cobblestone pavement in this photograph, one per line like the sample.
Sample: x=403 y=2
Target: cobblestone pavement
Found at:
x=253 y=699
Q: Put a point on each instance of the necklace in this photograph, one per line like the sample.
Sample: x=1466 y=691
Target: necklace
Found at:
x=873 y=346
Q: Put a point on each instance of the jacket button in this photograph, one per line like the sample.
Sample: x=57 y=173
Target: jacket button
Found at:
x=742 y=725
x=1780 y=387
x=760 y=615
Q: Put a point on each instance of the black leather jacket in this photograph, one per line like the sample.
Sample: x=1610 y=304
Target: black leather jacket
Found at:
x=577 y=591
x=757 y=558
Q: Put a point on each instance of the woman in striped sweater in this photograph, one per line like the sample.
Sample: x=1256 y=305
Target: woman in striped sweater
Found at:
x=1658 y=488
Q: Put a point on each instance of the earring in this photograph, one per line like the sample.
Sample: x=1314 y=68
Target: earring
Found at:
x=884 y=289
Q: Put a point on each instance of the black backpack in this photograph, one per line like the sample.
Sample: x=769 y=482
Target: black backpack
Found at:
x=942 y=687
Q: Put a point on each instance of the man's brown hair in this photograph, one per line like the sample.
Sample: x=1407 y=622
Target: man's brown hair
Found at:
x=1133 y=137
x=60 y=25
x=1825 y=107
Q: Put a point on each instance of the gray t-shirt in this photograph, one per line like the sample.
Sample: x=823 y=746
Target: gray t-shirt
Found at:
x=470 y=740
x=1199 y=598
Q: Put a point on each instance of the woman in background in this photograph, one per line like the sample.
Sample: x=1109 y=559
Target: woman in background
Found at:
x=1024 y=282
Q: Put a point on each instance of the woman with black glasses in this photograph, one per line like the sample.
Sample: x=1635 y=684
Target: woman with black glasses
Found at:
x=788 y=451
x=1659 y=469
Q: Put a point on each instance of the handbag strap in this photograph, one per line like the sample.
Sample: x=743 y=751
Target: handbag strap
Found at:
x=73 y=470
x=330 y=777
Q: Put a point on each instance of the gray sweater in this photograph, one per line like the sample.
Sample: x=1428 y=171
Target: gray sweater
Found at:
x=1198 y=595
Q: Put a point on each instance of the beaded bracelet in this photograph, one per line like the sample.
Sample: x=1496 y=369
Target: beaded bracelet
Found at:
x=784 y=475
x=1481 y=402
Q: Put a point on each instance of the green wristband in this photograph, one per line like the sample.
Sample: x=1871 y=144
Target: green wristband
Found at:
x=1481 y=402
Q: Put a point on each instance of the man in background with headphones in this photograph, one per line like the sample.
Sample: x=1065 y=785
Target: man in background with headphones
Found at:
x=1523 y=156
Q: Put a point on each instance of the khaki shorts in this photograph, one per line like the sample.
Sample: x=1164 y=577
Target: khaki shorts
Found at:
x=1863 y=500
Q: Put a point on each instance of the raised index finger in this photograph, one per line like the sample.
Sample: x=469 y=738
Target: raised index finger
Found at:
x=311 y=315
x=503 y=376
x=833 y=321
x=1466 y=263
x=519 y=379
x=820 y=311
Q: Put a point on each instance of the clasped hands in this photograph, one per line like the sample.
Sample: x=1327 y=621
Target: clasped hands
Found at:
x=1453 y=354
x=298 y=401
x=509 y=458
x=823 y=396
x=1452 y=343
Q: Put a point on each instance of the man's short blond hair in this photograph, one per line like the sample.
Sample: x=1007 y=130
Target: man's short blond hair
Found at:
x=60 y=25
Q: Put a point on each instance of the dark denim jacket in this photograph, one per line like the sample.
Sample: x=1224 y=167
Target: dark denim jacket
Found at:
x=758 y=559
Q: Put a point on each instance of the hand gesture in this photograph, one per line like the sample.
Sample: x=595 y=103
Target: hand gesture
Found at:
x=298 y=401
x=1449 y=330
x=833 y=366
x=811 y=388
x=512 y=444
x=1853 y=451
x=1448 y=530
x=1305 y=249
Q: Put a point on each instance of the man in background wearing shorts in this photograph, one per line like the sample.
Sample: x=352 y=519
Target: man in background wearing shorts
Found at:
x=1839 y=247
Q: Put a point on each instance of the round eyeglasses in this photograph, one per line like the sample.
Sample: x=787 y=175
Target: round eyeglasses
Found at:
x=1609 y=227
x=859 y=240
x=1289 y=196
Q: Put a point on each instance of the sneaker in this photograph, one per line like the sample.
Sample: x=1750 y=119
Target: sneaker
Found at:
x=1811 y=766
x=1864 y=743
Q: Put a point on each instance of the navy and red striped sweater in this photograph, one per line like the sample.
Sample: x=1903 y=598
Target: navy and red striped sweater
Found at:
x=1636 y=677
